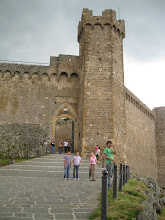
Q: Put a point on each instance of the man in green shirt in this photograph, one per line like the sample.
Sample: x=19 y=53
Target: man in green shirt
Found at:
x=108 y=155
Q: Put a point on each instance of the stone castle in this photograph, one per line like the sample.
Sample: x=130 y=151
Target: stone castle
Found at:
x=89 y=90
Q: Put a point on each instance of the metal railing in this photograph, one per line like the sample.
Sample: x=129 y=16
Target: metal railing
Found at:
x=123 y=179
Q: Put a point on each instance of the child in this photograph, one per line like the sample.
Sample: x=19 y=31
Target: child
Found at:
x=76 y=162
x=92 y=165
x=67 y=165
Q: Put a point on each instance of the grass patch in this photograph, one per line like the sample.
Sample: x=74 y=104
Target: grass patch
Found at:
x=4 y=162
x=17 y=160
x=127 y=206
x=162 y=215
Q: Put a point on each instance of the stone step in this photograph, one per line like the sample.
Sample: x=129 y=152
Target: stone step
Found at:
x=49 y=174
x=55 y=168
x=83 y=162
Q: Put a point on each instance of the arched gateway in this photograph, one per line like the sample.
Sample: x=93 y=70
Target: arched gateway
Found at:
x=66 y=111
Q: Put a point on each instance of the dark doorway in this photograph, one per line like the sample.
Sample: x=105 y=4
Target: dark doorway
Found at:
x=65 y=131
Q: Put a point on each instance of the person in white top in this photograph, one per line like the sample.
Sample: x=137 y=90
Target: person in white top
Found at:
x=76 y=162
x=66 y=145
x=97 y=153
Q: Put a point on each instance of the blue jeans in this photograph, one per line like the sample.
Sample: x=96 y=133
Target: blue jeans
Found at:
x=110 y=169
x=66 y=171
x=76 y=168
x=60 y=150
x=53 y=150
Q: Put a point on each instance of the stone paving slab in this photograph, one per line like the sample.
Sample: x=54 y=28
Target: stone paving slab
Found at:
x=44 y=194
x=45 y=168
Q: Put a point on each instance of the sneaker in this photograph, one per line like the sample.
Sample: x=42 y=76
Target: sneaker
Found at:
x=74 y=178
x=65 y=178
x=78 y=179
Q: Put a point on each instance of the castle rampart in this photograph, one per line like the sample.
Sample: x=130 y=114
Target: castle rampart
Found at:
x=130 y=97
x=29 y=97
x=140 y=133
x=58 y=65
x=89 y=90
x=26 y=82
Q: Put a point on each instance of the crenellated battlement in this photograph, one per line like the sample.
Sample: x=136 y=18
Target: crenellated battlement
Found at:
x=16 y=73
x=108 y=19
x=137 y=103
x=64 y=66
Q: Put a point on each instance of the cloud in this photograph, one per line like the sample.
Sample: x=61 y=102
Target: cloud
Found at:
x=34 y=30
x=51 y=26
x=145 y=30
x=146 y=81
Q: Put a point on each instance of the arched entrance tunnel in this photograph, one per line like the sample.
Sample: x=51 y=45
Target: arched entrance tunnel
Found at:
x=64 y=130
x=65 y=126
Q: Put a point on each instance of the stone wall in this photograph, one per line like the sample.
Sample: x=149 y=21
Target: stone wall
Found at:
x=31 y=95
x=160 y=140
x=17 y=138
x=140 y=137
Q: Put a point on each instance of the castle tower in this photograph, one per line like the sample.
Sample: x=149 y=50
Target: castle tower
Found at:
x=101 y=100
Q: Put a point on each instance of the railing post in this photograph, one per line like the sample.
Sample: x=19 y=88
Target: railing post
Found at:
x=123 y=174
x=115 y=182
x=126 y=179
x=121 y=178
x=11 y=158
x=27 y=155
x=104 y=200
x=128 y=173
x=38 y=153
x=103 y=162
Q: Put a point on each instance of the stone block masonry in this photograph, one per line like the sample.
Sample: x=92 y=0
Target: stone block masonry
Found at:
x=89 y=90
x=101 y=52
x=140 y=141
x=160 y=140
x=19 y=138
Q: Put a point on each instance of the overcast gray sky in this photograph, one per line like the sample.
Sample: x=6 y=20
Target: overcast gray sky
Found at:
x=34 y=30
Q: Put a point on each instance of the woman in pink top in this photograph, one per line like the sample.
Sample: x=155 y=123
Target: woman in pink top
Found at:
x=92 y=165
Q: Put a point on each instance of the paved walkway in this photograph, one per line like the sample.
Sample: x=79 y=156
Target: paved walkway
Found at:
x=35 y=189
